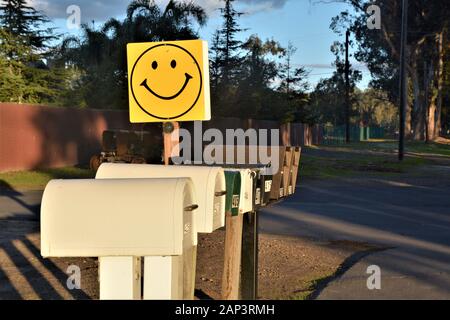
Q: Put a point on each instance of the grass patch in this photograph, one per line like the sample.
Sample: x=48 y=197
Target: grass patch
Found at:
x=355 y=160
x=37 y=179
x=322 y=168
x=425 y=149
x=430 y=148
x=312 y=286
x=441 y=147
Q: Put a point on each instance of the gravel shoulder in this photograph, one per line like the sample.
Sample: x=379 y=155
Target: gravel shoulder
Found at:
x=289 y=267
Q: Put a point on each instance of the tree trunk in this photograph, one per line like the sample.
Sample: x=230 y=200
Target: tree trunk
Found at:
x=429 y=106
x=408 y=111
x=440 y=82
x=435 y=85
x=417 y=107
x=418 y=103
x=408 y=116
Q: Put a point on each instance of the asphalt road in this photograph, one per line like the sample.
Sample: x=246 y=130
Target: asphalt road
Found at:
x=16 y=205
x=408 y=219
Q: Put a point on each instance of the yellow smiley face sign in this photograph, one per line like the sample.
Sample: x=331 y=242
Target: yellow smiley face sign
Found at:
x=168 y=81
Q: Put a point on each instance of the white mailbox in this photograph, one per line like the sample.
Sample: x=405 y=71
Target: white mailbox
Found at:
x=246 y=195
x=119 y=221
x=116 y=217
x=209 y=183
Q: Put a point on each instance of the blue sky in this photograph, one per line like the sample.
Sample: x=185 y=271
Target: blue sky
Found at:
x=303 y=22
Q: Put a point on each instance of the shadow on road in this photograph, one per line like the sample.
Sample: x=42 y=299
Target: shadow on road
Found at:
x=24 y=274
x=411 y=215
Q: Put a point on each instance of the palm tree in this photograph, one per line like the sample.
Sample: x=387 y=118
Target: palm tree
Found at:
x=101 y=54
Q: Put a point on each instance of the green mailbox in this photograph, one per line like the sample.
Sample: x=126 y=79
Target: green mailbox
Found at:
x=233 y=182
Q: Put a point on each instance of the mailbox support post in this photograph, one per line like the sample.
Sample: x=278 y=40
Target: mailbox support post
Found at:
x=163 y=278
x=232 y=257
x=249 y=268
x=120 y=278
x=171 y=140
x=185 y=273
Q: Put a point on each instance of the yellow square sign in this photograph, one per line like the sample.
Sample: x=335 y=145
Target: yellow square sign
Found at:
x=168 y=81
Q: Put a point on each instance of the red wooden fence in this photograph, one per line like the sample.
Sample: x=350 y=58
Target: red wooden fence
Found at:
x=33 y=136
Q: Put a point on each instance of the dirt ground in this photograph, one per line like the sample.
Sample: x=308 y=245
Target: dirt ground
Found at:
x=288 y=267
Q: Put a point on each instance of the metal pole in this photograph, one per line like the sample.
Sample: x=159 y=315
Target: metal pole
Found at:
x=403 y=88
x=249 y=267
x=347 y=89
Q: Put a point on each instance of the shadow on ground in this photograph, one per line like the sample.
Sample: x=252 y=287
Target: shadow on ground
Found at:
x=24 y=274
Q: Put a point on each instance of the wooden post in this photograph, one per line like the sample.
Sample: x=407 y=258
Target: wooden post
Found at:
x=189 y=266
x=171 y=148
x=232 y=257
x=171 y=137
x=249 y=268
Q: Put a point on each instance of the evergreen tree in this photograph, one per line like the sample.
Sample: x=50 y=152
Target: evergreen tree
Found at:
x=12 y=83
x=292 y=80
x=229 y=45
x=25 y=23
x=215 y=61
x=293 y=85
x=23 y=45
x=258 y=71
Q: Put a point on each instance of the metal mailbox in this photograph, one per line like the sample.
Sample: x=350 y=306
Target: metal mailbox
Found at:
x=233 y=182
x=117 y=217
x=209 y=183
x=246 y=201
x=119 y=221
x=262 y=185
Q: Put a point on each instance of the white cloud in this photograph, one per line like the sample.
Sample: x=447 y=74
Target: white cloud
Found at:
x=101 y=10
x=210 y=6
x=263 y=5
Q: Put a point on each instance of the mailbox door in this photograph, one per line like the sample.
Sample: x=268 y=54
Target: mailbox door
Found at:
x=246 y=193
x=247 y=203
x=233 y=181
x=189 y=251
x=218 y=208
x=266 y=186
x=258 y=193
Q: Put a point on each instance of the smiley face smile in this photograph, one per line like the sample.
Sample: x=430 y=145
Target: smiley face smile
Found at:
x=186 y=81
x=165 y=81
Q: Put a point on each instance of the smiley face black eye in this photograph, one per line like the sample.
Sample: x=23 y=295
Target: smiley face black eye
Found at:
x=154 y=65
x=173 y=64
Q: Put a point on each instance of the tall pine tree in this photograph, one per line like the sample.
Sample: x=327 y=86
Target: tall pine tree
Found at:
x=26 y=23
x=24 y=43
x=229 y=45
